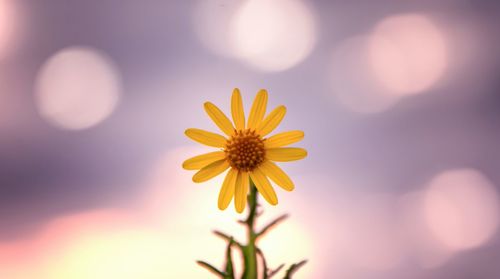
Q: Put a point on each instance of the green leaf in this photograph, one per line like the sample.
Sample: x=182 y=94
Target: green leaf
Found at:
x=275 y=271
x=293 y=268
x=229 y=261
x=212 y=269
x=271 y=225
x=227 y=238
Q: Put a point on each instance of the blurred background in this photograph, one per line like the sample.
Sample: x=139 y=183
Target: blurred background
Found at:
x=399 y=101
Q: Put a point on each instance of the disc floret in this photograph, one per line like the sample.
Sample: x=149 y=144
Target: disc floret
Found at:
x=245 y=150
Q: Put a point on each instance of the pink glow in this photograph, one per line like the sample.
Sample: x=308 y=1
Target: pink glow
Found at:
x=408 y=53
x=139 y=241
x=462 y=208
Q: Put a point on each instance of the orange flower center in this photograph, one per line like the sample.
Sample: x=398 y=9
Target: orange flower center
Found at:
x=245 y=150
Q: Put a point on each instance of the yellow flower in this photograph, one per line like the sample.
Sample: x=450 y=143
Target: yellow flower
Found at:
x=245 y=151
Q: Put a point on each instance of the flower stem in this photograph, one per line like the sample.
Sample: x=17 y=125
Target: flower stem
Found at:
x=251 y=250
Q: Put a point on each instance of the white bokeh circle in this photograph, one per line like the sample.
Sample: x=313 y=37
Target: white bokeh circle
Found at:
x=77 y=88
x=273 y=35
x=462 y=208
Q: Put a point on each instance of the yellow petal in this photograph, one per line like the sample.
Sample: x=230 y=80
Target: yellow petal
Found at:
x=211 y=171
x=205 y=137
x=271 y=121
x=285 y=154
x=264 y=187
x=258 y=109
x=240 y=195
x=203 y=160
x=284 y=139
x=277 y=175
x=227 y=190
x=219 y=118
x=237 y=110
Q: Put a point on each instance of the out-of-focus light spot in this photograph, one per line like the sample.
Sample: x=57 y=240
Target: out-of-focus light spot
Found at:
x=273 y=35
x=211 y=22
x=26 y=258
x=77 y=88
x=7 y=25
x=408 y=53
x=462 y=208
x=122 y=254
x=108 y=244
x=352 y=79
x=17 y=260
x=422 y=245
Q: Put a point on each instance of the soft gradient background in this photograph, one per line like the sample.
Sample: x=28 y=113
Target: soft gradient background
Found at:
x=398 y=99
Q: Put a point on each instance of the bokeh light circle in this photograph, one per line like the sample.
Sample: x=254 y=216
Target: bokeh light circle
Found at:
x=462 y=208
x=273 y=35
x=408 y=53
x=77 y=88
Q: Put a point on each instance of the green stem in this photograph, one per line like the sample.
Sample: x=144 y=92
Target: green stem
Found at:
x=251 y=249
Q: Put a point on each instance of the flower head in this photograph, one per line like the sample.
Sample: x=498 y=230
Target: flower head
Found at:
x=245 y=151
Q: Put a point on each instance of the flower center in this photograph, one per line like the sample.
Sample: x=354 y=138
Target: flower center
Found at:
x=245 y=150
